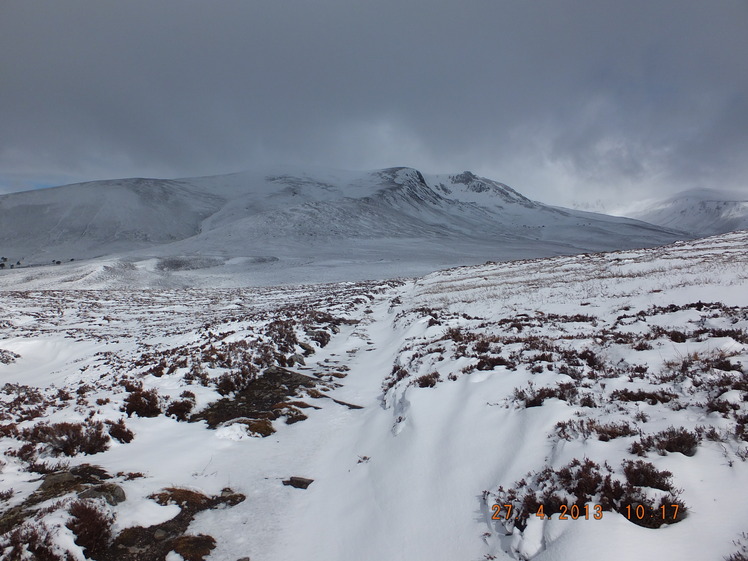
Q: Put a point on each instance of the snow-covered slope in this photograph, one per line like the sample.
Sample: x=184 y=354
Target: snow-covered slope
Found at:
x=607 y=388
x=699 y=212
x=101 y=217
x=283 y=226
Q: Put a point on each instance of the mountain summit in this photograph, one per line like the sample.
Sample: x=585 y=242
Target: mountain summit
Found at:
x=285 y=225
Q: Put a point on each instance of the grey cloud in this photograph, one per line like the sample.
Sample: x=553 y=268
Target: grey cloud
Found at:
x=590 y=95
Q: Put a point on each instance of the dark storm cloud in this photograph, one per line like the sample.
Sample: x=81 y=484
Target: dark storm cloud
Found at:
x=559 y=99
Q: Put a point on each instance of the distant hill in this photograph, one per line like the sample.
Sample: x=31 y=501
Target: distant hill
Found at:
x=289 y=225
x=699 y=212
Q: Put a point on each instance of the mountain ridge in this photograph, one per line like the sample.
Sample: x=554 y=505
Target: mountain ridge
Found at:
x=281 y=225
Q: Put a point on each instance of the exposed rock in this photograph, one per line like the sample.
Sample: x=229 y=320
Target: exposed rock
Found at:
x=308 y=349
x=320 y=336
x=110 y=492
x=298 y=482
x=297 y=359
x=346 y=404
x=57 y=480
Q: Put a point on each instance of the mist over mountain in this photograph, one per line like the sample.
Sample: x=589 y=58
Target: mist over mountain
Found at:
x=286 y=225
x=699 y=212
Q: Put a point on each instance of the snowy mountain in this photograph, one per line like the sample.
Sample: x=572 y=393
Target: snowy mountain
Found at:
x=284 y=226
x=540 y=409
x=699 y=212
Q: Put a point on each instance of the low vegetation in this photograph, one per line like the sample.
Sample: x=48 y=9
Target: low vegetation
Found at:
x=239 y=365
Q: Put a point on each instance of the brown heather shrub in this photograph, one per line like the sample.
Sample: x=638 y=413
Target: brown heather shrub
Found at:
x=180 y=409
x=119 y=431
x=321 y=337
x=642 y=346
x=665 y=505
x=34 y=538
x=91 y=526
x=43 y=468
x=592 y=360
x=142 y=403
x=742 y=553
x=454 y=333
x=581 y=478
x=723 y=363
x=651 y=397
x=129 y=476
x=131 y=385
x=487 y=362
x=534 y=397
x=236 y=381
x=670 y=440
x=8 y=429
x=715 y=405
x=710 y=433
x=398 y=373
x=569 y=430
x=677 y=336
x=482 y=346
x=677 y=440
x=610 y=431
x=643 y=474
x=197 y=374
x=741 y=427
x=282 y=333
x=26 y=452
x=193 y=548
x=427 y=380
x=184 y=498
x=69 y=438
x=83 y=389
x=573 y=372
x=583 y=482
x=263 y=427
x=157 y=370
x=739 y=335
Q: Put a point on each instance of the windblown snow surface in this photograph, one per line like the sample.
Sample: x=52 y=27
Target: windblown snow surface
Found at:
x=607 y=389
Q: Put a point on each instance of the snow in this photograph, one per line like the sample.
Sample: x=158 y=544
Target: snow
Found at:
x=700 y=212
x=285 y=225
x=406 y=475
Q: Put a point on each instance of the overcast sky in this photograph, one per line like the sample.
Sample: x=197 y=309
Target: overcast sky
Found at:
x=563 y=100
